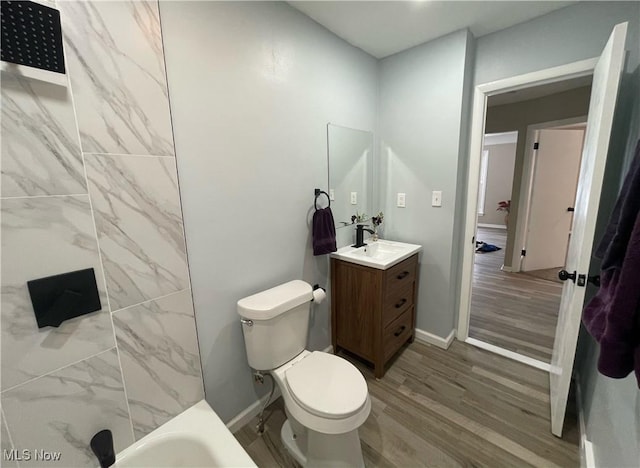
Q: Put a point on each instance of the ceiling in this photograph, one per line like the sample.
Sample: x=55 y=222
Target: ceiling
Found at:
x=385 y=27
x=539 y=91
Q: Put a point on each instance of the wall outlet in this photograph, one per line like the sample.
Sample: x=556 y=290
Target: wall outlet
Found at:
x=332 y=195
x=354 y=198
x=436 y=198
x=402 y=200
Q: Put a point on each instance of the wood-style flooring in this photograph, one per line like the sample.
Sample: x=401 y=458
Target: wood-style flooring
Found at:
x=446 y=408
x=514 y=311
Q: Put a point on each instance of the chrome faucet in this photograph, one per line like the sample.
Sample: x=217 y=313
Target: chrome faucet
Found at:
x=360 y=228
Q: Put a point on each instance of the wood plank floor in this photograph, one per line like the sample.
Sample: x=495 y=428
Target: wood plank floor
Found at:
x=459 y=407
x=514 y=311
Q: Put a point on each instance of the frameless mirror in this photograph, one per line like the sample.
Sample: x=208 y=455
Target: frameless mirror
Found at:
x=350 y=174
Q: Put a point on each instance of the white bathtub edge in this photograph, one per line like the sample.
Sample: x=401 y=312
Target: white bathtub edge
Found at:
x=202 y=423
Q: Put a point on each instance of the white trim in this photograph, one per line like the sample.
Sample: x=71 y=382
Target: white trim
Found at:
x=492 y=226
x=245 y=416
x=526 y=185
x=584 y=443
x=482 y=184
x=505 y=138
x=435 y=340
x=508 y=269
x=482 y=91
x=545 y=366
x=587 y=459
x=589 y=456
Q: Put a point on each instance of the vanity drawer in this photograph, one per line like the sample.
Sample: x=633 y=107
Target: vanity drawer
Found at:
x=397 y=301
x=401 y=274
x=397 y=333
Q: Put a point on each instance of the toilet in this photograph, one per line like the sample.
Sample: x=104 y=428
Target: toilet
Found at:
x=326 y=397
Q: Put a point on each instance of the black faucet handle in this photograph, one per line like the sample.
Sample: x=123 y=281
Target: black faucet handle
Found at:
x=102 y=446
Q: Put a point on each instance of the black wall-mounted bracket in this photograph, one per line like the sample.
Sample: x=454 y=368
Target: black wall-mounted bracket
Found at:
x=63 y=297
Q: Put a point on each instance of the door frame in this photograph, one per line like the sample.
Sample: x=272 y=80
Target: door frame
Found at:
x=527 y=184
x=481 y=93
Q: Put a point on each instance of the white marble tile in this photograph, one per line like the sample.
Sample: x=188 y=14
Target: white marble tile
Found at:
x=116 y=64
x=41 y=237
x=160 y=359
x=40 y=149
x=139 y=220
x=63 y=410
x=6 y=446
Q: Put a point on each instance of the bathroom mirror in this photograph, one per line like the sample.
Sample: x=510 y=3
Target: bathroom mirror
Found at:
x=350 y=173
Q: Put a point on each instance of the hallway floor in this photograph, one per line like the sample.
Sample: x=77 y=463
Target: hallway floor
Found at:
x=459 y=407
x=514 y=311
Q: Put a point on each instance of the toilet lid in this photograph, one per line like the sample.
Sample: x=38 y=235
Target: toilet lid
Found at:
x=327 y=385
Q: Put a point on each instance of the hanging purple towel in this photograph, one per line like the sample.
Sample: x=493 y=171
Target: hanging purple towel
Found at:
x=324 y=232
x=613 y=315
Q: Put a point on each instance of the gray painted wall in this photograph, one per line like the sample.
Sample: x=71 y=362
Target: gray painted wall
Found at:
x=575 y=33
x=421 y=120
x=252 y=87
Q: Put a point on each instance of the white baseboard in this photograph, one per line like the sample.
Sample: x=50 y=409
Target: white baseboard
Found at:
x=493 y=226
x=545 y=366
x=435 y=340
x=506 y=268
x=245 y=416
x=587 y=459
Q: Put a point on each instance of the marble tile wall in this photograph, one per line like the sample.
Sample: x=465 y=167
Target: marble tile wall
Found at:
x=89 y=180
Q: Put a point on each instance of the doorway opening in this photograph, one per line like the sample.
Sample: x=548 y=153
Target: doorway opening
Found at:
x=606 y=71
x=516 y=291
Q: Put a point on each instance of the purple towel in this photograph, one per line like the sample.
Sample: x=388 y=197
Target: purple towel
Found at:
x=613 y=315
x=324 y=232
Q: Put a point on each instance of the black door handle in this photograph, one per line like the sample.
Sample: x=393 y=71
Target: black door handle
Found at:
x=564 y=275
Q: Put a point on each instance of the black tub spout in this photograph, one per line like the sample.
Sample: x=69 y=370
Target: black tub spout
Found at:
x=102 y=446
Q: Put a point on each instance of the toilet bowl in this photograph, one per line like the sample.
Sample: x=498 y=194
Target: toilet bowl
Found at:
x=327 y=400
x=326 y=397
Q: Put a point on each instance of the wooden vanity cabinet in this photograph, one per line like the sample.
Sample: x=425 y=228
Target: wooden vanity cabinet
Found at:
x=373 y=311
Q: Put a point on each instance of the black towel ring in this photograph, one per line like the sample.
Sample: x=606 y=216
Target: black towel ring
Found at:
x=319 y=192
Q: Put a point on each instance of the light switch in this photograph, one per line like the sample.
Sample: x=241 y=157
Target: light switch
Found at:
x=436 y=198
x=332 y=195
x=354 y=198
x=402 y=199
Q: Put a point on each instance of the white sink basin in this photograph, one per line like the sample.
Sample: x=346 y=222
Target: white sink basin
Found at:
x=380 y=254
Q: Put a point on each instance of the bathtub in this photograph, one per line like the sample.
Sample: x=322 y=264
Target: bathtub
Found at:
x=196 y=437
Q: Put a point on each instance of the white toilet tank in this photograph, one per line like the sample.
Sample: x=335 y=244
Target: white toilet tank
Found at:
x=275 y=324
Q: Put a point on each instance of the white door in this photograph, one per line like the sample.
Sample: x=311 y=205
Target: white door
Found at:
x=555 y=180
x=606 y=79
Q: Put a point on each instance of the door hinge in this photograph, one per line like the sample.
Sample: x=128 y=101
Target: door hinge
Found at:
x=582 y=280
x=536 y=145
x=523 y=252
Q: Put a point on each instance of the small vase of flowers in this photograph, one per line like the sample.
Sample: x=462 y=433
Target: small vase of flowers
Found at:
x=376 y=221
x=505 y=205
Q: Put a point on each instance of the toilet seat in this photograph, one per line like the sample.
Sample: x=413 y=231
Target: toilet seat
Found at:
x=327 y=386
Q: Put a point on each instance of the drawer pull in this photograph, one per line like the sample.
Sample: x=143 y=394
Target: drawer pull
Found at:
x=402 y=302
x=402 y=275
x=399 y=332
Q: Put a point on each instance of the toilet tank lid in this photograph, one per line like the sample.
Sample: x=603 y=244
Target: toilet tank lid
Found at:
x=268 y=304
